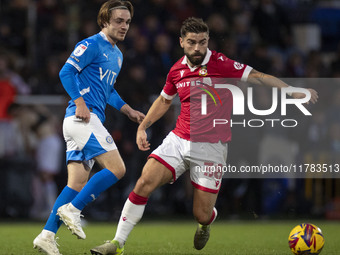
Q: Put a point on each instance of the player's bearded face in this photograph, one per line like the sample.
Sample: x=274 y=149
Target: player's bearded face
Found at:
x=195 y=58
x=195 y=47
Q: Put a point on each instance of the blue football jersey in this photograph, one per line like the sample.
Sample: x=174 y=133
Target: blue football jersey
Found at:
x=98 y=64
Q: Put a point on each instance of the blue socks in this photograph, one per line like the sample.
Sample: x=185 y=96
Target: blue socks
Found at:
x=53 y=223
x=98 y=183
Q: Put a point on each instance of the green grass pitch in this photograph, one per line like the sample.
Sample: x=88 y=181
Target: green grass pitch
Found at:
x=173 y=237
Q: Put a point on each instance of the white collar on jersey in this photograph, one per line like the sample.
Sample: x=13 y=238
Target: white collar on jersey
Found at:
x=104 y=36
x=204 y=62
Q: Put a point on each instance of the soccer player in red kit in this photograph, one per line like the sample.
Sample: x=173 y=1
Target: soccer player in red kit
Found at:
x=192 y=143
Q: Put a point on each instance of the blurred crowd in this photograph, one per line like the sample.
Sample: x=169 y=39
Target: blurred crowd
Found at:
x=36 y=38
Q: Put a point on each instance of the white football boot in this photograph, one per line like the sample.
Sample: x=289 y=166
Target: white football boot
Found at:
x=71 y=217
x=46 y=245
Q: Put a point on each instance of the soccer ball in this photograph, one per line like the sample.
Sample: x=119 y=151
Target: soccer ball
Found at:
x=306 y=239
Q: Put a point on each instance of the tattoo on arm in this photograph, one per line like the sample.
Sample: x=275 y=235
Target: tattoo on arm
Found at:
x=148 y=124
x=260 y=78
x=257 y=77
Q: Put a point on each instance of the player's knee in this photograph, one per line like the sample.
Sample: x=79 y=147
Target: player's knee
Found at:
x=202 y=217
x=119 y=171
x=143 y=183
x=144 y=186
x=77 y=185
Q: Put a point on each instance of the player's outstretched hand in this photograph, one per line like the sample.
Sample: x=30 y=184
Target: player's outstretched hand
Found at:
x=141 y=140
x=314 y=96
x=136 y=116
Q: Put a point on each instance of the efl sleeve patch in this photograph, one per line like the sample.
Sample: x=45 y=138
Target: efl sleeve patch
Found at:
x=80 y=50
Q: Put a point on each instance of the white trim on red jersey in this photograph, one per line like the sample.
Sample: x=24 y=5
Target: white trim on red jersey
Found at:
x=246 y=73
x=166 y=96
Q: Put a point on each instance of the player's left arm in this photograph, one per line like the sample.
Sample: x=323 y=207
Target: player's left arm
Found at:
x=259 y=78
x=117 y=102
x=133 y=115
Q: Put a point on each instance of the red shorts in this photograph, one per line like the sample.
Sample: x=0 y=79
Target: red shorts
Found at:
x=201 y=159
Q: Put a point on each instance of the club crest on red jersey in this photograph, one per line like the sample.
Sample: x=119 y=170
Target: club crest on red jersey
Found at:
x=203 y=71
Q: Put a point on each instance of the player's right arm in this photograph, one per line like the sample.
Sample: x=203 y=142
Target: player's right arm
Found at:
x=159 y=107
x=83 y=55
x=67 y=76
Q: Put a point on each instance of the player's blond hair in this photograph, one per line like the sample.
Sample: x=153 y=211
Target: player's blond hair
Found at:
x=106 y=9
x=194 y=25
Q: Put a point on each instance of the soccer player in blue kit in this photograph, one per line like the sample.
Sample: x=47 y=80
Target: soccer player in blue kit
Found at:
x=88 y=76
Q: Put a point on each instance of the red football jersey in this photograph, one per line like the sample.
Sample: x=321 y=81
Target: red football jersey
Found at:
x=192 y=83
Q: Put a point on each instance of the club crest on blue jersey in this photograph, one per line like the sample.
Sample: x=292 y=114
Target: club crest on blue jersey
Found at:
x=119 y=62
x=109 y=139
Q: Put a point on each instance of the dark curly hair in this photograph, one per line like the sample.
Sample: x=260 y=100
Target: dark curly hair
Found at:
x=194 y=25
